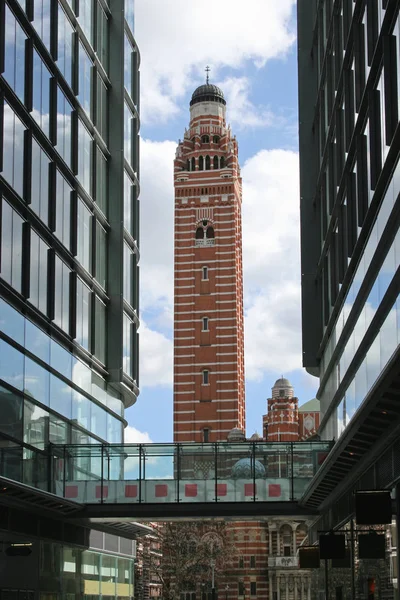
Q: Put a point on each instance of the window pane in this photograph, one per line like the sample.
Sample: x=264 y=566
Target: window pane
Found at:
x=81 y=409
x=101 y=181
x=127 y=274
x=37 y=382
x=12 y=323
x=127 y=203
x=128 y=66
x=60 y=397
x=98 y=421
x=14 y=54
x=101 y=108
x=85 y=87
x=11 y=413
x=101 y=255
x=127 y=346
x=11 y=247
x=82 y=314
x=58 y=431
x=100 y=330
x=64 y=111
x=13 y=150
x=63 y=210
x=65 y=45
x=37 y=341
x=38 y=273
x=35 y=425
x=128 y=118
x=40 y=182
x=41 y=93
x=86 y=18
x=84 y=236
x=129 y=14
x=84 y=157
x=102 y=37
x=41 y=20
x=60 y=359
x=11 y=365
x=61 y=294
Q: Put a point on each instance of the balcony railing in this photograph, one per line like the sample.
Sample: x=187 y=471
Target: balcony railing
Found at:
x=283 y=562
x=204 y=242
x=167 y=473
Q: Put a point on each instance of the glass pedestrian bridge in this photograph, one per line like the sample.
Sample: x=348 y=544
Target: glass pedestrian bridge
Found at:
x=164 y=474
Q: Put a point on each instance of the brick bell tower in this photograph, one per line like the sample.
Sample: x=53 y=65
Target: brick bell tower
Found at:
x=208 y=309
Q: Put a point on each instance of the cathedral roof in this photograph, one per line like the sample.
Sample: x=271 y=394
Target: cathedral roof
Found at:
x=282 y=382
x=207 y=92
x=310 y=406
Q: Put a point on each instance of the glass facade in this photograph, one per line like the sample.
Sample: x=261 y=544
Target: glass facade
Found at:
x=352 y=250
x=63 y=344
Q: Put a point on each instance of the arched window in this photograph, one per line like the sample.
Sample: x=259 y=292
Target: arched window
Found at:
x=193 y=164
x=206 y=435
x=222 y=162
x=204 y=322
x=215 y=162
x=199 y=233
x=206 y=377
x=208 y=165
x=205 y=139
x=210 y=233
x=188 y=165
x=216 y=139
x=204 y=273
x=201 y=163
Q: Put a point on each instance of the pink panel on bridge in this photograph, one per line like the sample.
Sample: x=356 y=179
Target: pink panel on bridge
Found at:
x=130 y=491
x=191 y=490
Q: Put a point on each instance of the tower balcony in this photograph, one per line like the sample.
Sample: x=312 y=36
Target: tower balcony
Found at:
x=283 y=562
x=204 y=243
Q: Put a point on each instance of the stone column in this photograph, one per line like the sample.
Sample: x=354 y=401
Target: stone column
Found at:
x=270 y=542
x=302 y=588
x=286 y=587
x=295 y=587
x=278 y=587
x=278 y=543
x=308 y=588
x=294 y=542
x=271 y=590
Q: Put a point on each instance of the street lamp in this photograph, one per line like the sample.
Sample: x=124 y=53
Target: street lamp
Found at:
x=212 y=563
x=226 y=592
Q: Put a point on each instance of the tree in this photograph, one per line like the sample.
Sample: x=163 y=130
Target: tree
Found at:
x=187 y=551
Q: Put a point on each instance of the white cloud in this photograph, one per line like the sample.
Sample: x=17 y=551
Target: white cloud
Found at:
x=242 y=112
x=155 y=358
x=134 y=436
x=178 y=38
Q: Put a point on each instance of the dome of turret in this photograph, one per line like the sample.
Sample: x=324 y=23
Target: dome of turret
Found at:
x=207 y=92
x=236 y=435
x=242 y=469
x=282 y=388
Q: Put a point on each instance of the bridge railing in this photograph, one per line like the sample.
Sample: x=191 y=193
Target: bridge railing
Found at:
x=165 y=473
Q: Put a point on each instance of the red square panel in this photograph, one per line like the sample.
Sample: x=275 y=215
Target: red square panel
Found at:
x=221 y=489
x=161 y=490
x=130 y=491
x=190 y=490
x=249 y=489
x=98 y=491
x=274 y=490
x=71 y=491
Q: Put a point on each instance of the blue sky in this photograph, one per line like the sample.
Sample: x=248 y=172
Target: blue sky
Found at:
x=252 y=55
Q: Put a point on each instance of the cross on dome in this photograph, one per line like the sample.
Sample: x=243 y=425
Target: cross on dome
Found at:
x=207 y=70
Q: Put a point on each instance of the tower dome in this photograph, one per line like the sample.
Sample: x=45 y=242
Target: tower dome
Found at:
x=236 y=435
x=243 y=469
x=207 y=92
x=282 y=388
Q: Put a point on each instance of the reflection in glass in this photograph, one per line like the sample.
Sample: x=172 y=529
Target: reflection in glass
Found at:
x=100 y=330
x=11 y=247
x=37 y=341
x=41 y=93
x=128 y=119
x=85 y=84
x=63 y=210
x=12 y=323
x=82 y=375
x=130 y=15
x=101 y=255
x=65 y=45
x=61 y=294
x=38 y=273
x=64 y=112
x=98 y=421
x=128 y=65
x=102 y=37
x=101 y=107
x=36 y=382
x=86 y=18
x=127 y=345
x=14 y=54
x=91 y=571
x=84 y=236
x=60 y=359
x=41 y=20
x=84 y=157
x=114 y=430
x=101 y=181
x=39 y=200
x=11 y=413
x=127 y=274
x=35 y=425
x=127 y=203
x=81 y=410
x=60 y=397
x=13 y=149
x=83 y=320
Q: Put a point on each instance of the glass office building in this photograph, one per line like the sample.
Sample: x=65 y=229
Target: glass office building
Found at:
x=69 y=231
x=349 y=106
